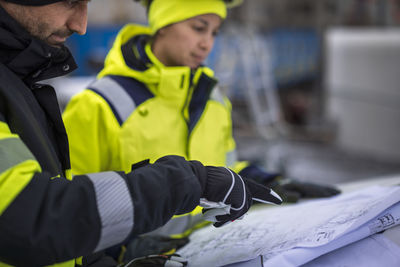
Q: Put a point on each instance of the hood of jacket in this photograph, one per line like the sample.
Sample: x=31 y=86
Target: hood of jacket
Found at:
x=28 y=57
x=131 y=56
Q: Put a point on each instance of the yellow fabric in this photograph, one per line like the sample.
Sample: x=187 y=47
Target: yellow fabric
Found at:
x=97 y=149
x=156 y=128
x=99 y=143
x=163 y=13
x=79 y=261
x=15 y=179
x=112 y=64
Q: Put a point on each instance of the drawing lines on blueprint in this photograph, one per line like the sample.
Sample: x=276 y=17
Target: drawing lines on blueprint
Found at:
x=274 y=230
x=388 y=219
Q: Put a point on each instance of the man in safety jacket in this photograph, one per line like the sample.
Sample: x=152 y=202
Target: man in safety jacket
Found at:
x=46 y=215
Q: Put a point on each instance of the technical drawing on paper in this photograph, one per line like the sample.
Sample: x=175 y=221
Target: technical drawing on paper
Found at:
x=273 y=230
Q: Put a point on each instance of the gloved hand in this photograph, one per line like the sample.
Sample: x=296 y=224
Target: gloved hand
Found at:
x=157 y=261
x=289 y=189
x=293 y=190
x=226 y=188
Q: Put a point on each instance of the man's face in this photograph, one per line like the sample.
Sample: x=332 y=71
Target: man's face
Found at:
x=52 y=23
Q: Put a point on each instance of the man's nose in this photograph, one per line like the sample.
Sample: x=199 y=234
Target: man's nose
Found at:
x=78 y=20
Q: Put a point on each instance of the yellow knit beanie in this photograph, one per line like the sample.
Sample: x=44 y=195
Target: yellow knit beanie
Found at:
x=166 y=12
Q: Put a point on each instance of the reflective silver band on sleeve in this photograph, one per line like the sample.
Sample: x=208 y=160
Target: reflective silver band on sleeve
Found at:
x=12 y=152
x=115 y=207
x=217 y=95
x=231 y=158
x=116 y=95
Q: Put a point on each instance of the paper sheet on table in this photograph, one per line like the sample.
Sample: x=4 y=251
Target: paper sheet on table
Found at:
x=374 y=251
x=295 y=234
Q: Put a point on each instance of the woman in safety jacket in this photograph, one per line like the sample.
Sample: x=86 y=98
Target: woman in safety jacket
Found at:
x=154 y=98
x=46 y=216
x=143 y=106
x=139 y=108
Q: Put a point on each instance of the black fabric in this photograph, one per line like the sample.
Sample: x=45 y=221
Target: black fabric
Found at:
x=158 y=261
x=33 y=2
x=160 y=190
x=56 y=130
x=138 y=91
x=31 y=110
x=259 y=175
x=140 y=60
x=201 y=173
x=29 y=58
x=51 y=220
x=309 y=189
x=199 y=99
x=152 y=245
x=290 y=190
x=25 y=117
x=2 y=118
x=99 y=259
x=135 y=89
x=223 y=185
x=59 y=222
x=140 y=164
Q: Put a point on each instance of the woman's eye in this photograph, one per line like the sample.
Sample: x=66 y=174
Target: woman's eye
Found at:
x=198 y=29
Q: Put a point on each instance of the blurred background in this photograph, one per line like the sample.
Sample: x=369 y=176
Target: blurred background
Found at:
x=315 y=84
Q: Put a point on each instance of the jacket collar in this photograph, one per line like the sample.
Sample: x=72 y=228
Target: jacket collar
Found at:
x=131 y=56
x=28 y=57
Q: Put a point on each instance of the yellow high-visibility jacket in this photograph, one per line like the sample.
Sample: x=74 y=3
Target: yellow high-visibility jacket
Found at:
x=138 y=109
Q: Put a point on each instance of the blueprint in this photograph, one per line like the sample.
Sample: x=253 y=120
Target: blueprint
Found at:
x=374 y=251
x=295 y=234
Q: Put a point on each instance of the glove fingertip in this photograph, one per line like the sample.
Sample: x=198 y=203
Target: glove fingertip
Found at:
x=274 y=194
x=268 y=198
x=220 y=224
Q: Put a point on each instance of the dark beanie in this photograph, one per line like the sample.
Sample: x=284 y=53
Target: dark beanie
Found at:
x=33 y=2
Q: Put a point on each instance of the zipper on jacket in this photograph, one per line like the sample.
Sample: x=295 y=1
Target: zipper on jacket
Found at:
x=186 y=106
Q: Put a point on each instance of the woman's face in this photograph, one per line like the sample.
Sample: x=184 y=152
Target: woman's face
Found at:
x=187 y=43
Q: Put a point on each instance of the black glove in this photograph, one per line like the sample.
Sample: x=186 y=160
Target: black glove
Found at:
x=99 y=259
x=157 y=261
x=305 y=189
x=290 y=190
x=160 y=190
x=223 y=186
x=153 y=245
